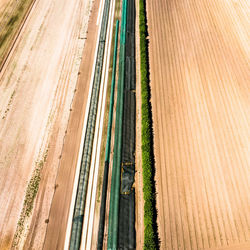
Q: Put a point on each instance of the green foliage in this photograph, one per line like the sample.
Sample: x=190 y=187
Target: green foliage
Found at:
x=150 y=234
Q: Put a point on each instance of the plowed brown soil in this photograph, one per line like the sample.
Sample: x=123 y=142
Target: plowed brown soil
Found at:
x=199 y=71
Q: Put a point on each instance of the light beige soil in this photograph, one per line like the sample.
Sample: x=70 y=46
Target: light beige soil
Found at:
x=3 y=4
x=199 y=71
x=58 y=215
x=242 y=246
x=36 y=90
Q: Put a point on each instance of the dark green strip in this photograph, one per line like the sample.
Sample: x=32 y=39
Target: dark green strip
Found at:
x=107 y=154
x=116 y=171
x=76 y=230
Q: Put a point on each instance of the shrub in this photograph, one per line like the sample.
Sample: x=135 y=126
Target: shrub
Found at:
x=150 y=228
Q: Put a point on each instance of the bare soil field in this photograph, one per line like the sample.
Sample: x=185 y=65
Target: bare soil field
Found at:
x=59 y=211
x=199 y=72
x=37 y=86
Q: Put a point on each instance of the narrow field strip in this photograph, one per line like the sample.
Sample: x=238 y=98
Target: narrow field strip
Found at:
x=11 y=26
x=108 y=146
x=95 y=158
x=115 y=180
x=79 y=210
x=150 y=228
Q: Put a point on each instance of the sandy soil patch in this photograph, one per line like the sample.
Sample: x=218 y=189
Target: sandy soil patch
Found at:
x=36 y=88
x=199 y=71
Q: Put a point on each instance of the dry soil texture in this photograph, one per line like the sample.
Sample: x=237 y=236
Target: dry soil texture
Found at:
x=37 y=86
x=199 y=71
x=58 y=216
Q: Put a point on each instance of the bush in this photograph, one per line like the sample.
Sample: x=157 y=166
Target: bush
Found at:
x=150 y=228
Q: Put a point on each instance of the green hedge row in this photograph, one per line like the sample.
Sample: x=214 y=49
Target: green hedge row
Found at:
x=150 y=231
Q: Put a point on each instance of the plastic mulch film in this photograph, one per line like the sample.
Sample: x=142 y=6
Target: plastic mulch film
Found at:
x=126 y=234
x=128 y=137
x=126 y=228
x=127 y=178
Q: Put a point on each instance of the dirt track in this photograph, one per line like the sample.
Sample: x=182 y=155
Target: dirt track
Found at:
x=199 y=71
x=36 y=90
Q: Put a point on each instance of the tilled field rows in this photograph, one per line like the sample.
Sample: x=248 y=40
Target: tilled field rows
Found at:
x=199 y=54
x=36 y=90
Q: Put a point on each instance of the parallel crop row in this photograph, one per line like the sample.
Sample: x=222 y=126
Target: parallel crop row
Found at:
x=150 y=231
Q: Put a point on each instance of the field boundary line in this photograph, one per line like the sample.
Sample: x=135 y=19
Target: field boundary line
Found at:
x=151 y=240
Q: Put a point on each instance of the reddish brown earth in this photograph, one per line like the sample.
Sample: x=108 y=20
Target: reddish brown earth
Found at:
x=199 y=71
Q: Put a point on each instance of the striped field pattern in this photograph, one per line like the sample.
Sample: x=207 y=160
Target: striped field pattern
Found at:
x=200 y=80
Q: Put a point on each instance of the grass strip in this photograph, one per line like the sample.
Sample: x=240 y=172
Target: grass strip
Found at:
x=150 y=224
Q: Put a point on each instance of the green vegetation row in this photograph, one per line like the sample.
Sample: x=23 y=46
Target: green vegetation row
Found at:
x=150 y=230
